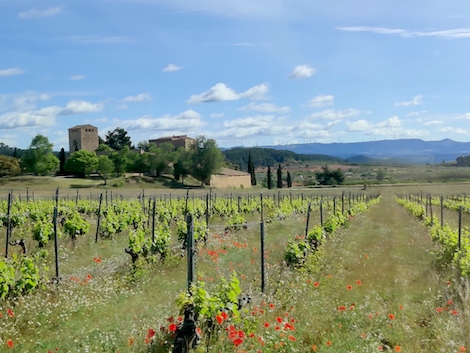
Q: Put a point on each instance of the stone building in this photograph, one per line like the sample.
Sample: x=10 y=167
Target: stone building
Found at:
x=83 y=137
x=177 y=141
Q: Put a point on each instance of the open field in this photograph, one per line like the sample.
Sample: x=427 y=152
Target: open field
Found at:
x=375 y=285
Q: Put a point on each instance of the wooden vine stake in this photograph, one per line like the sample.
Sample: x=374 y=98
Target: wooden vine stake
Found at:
x=99 y=218
x=460 y=226
x=309 y=209
x=263 y=273
x=8 y=224
x=190 y=249
x=56 y=238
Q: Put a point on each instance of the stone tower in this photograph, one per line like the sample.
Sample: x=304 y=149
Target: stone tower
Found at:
x=83 y=137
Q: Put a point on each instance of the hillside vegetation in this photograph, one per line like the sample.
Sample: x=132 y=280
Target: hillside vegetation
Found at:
x=270 y=157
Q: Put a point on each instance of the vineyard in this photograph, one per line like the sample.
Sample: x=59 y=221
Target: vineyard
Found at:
x=309 y=271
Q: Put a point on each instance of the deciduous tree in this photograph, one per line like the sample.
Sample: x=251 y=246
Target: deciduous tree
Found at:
x=118 y=139
x=105 y=168
x=39 y=159
x=9 y=166
x=81 y=163
x=207 y=159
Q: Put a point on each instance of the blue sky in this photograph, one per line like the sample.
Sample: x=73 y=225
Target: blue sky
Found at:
x=243 y=72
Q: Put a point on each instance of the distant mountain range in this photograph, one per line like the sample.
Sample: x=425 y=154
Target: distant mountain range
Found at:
x=386 y=151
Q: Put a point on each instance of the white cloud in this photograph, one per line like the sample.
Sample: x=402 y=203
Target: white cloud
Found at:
x=259 y=120
x=447 y=33
x=432 y=122
x=142 y=97
x=216 y=115
x=332 y=114
x=321 y=101
x=77 y=107
x=33 y=13
x=465 y=116
x=11 y=72
x=416 y=113
x=265 y=108
x=171 y=68
x=13 y=120
x=77 y=77
x=450 y=129
x=417 y=100
x=100 y=39
x=389 y=127
x=302 y=71
x=221 y=92
x=188 y=120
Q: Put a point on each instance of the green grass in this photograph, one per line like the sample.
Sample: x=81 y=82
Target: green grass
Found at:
x=385 y=249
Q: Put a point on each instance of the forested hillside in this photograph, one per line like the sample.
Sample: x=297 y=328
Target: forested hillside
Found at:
x=270 y=157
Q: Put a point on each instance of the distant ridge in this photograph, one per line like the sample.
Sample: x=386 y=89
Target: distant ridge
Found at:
x=406 y=150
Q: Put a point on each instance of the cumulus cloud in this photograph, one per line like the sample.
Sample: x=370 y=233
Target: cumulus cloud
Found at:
x=302 y=71
x=11 y=72
x=265 y=108
x=13 y=120
x=171 y=68
x=142 y=97
x=432 y=122
x=465 y=116
x=259 y=125
x=417 y=100
x=390 y=128
x=454 y=130
x=33 y=13
x=447 y=33
x=77 y=107
x=332 y=114
x=221 y=92
x=189 y=119
x=77 y=77
x=321 y=101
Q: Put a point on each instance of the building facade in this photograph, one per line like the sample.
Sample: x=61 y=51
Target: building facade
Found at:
x=229 y=178
x=83 y=137
x=177 y=141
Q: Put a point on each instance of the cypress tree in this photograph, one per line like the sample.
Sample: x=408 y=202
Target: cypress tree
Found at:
x=61 y=161
x=251 y=170
x=270 y=178
x=279 y=177
x=289 y=180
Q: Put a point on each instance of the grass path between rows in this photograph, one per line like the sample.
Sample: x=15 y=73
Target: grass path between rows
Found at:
x=381 y=276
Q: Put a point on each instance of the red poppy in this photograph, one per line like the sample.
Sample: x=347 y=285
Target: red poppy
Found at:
x=328 y=343
x=237 y=342
x=266 y=324
x=454 y=312
x=10 y=313
x=349 y=287
x=224 y=315
x=271 y=305
x=278 y=319
x=342 y=308
x=173 y=327
x=10 y=343
x=358 y=282
x=397 y=349
x=391 y=316
x=316 y=284
x=439 y=310
x=450 y=302
x=219 y=319
x=292 y=338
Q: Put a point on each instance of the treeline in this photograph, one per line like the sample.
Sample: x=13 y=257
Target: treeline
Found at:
x=463 y=161
x=116 y=156
x=269 y=157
